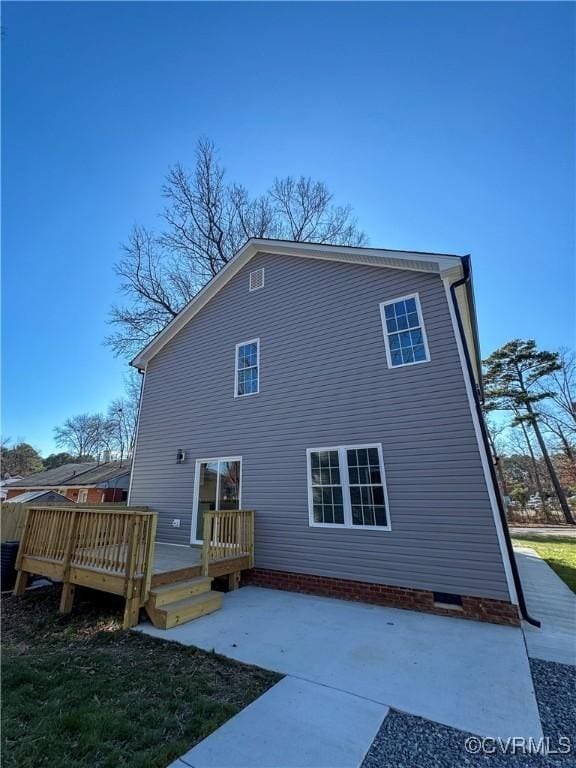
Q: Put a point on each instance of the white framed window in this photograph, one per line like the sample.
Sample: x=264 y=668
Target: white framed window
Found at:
x=347 y=487
x=257 y=279
x=247 y=373
x=82 y=496
x=404 y=332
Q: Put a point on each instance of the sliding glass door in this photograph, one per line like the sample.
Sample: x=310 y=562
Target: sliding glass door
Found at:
x=218 y=486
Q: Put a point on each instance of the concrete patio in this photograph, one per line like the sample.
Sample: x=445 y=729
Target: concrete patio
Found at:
x=465 y=674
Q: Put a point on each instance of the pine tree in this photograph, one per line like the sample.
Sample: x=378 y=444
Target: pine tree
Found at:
x=512 y=376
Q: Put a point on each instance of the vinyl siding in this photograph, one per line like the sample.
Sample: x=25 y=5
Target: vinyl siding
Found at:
x=324 y=381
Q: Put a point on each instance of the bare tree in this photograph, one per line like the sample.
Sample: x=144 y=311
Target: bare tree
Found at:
x=561 y=385
x=79 y=435
x=495 y=432
x=123 y=416
x=205 y=221
x=536 y=474
x=557 y=426
x=104 y=437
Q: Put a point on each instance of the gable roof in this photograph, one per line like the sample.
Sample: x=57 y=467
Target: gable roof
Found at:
x=10 y=480
x=27 y=497
x=102 y=473
x=442 y=264
x=86 y=473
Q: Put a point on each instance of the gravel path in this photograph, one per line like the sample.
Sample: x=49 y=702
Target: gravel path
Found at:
x=405 y=741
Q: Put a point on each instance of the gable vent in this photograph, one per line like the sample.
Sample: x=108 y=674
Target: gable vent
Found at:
x=257 y=279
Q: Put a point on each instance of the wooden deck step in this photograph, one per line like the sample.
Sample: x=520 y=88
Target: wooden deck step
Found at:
x=179 y=590
x=180 y=612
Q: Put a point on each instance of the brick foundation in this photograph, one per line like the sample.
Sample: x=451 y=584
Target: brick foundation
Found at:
x=476 y=608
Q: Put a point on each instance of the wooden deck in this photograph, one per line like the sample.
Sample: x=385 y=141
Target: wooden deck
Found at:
x=114 y=549
x=173 y=563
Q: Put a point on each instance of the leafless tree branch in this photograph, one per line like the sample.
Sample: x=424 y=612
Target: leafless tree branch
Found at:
x=205 y=221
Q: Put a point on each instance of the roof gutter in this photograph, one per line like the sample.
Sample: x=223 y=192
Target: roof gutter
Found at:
x=466 y=280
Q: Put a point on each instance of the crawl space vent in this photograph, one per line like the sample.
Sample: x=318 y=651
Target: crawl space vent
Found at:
x=257 y=279
x=448 y=600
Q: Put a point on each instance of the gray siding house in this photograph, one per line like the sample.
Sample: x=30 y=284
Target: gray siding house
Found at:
x=334 y=391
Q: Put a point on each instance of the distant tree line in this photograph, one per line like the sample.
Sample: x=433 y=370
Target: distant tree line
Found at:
x=534 y=440
x=103 y=436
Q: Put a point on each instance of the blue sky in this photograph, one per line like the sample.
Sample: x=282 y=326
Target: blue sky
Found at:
x=449 y=127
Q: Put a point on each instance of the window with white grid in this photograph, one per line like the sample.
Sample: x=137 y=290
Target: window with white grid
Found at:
x=247 y=373
x=327 y=501
x=347 y=488
x=404 y=332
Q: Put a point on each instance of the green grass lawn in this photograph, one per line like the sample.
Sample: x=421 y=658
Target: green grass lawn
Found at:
x=559 y=553
x=78 y=691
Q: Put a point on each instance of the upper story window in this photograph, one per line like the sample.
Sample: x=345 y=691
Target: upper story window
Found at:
x=346 y=487
x=404 y=332
x=247 y=376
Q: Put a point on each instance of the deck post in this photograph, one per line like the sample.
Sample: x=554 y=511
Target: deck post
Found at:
x=68 y=589
x=22 y=577
x=233 y=580
x=131 y=612
x=149 y=558
x=251 y=537
x=21 y=583
x=132 y=608
x=67 y=597
x=207 y=537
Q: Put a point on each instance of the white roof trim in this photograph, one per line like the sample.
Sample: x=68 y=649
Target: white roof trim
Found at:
x=444 y=265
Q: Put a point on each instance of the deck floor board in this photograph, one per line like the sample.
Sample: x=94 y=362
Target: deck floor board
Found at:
x=170 y=557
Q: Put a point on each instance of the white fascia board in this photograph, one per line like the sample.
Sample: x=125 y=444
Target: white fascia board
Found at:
x=423 y=262
x=468 y=322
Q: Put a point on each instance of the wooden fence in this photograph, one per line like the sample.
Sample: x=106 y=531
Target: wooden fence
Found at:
x=12 y=519
x=228 y=534
x=106 y=548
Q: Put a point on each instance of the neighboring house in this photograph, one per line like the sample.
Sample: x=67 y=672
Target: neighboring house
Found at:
x=4 y=485
x=85 y=483
x=32 y=498
x=334 y=390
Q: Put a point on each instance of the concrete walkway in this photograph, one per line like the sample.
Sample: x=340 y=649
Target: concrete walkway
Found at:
x=466 y=674
x=296 y=724
x=553 y=603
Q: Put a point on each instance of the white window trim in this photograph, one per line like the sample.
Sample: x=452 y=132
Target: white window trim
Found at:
x=193 y=539
x=242 y=344
x=84 y=493
x=383 y=306
x=345 y=484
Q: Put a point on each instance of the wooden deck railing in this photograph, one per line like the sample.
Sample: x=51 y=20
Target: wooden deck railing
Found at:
x=228 y=534
x=106 y=548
